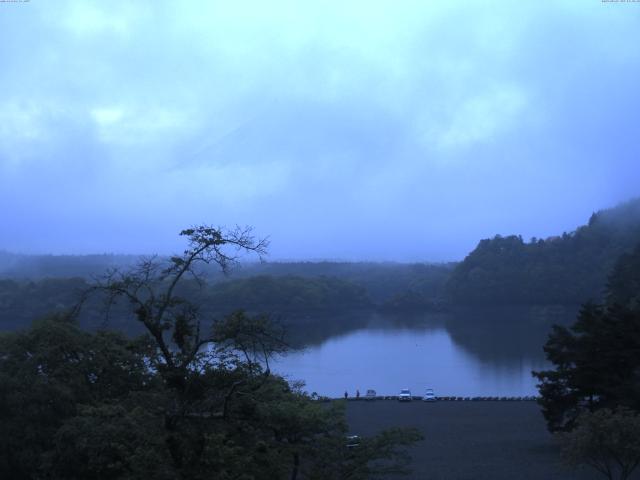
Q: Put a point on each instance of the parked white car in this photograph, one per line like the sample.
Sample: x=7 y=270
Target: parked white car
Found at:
x=353 y=441
x=405 y=395
x=370 y=395
x=429 y=396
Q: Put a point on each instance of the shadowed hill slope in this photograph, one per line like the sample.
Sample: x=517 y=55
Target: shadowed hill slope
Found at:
x=568 y=269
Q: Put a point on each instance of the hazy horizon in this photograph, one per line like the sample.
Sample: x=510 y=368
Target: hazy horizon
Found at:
x=249 y=259
x=348 y=132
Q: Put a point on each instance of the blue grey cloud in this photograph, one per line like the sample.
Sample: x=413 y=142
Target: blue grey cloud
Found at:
x=401 y=131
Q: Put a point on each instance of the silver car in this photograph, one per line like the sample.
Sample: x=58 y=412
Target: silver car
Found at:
x=353 y=441
x=429 y=396
x=405 y=395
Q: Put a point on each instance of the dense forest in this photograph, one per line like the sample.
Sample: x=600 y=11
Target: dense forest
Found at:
x=286 y=291
x=596 y=359
x=287 y=294
x=184 y=400
x=567 y=269
x=37 y=267
x=502 y=271
x=382 y=281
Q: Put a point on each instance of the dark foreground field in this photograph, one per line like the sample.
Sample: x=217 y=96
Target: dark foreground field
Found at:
x=470 y=440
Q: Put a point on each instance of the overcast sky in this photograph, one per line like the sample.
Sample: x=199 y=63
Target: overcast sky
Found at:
x=384 y=130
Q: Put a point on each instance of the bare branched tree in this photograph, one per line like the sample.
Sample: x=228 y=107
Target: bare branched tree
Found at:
x=174 y=322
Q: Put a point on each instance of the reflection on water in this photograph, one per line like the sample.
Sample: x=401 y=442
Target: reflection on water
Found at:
x=483 y=353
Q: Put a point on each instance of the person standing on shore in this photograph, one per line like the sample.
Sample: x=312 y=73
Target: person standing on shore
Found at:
x=357 y=393
x=345 y=394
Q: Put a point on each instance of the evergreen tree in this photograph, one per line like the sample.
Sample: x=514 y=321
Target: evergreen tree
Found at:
x=597 y=360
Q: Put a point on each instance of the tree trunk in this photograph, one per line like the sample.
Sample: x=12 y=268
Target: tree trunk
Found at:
x=296 y=465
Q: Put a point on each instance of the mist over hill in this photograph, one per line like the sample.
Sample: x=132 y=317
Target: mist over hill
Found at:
x=504 y=270
x=567 y=269
x=36 y=267
x=382 y=280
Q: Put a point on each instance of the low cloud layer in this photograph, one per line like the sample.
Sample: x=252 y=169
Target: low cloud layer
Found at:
x=399 y=131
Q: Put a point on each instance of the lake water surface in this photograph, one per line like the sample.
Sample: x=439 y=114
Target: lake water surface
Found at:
x=488 y=353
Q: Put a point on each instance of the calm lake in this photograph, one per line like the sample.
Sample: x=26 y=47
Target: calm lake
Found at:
x=479 y=353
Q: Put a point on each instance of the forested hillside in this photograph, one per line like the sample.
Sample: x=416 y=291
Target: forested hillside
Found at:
x=382 y=280
x=35 y=267
x=23 y=301
x=569 y=269
x=286 y=294
x=190 y=399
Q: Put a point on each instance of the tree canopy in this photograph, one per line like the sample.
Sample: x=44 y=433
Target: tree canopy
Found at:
x=607 y=440
x=596 y=360
x=181 y=401
x=568 y=269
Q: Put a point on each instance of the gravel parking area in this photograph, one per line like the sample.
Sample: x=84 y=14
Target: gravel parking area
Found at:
x=470 y=440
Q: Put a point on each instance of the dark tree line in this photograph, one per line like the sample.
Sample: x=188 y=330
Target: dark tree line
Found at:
x=597 y=359
x=185 y=400
x=592 y=395
x=569 y=269
x=288 y=294
x=289 y=297
x=381 y=281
